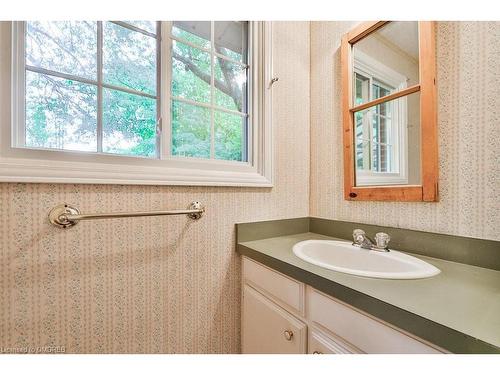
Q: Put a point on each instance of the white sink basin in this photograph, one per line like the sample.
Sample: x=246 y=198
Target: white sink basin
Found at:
x=342 y=256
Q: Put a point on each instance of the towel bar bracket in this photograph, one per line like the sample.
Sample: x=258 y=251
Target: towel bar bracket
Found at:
x=66 y=216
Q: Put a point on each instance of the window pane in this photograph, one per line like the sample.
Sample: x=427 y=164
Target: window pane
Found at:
x=191 y=72
x=230 y=133
x=129 y=58
x=63 y=46
x=144 y=25
x=230 y=85
x=362 y=155
x=358 y=118
x=60 y=113
x=190 y=130
x=375 y=129
x=384 y=109
x=376 y=157
x=361 y=89
x=380 y=91
x=382 y=158
x=381 y=129
x=375 y=134
x=388 y=141
x=129 y=124
x=195 y=32
x=385 y=158
x=231 y=39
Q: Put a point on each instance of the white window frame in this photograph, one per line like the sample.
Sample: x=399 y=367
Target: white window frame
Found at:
x=373 y=69
x=63 y=166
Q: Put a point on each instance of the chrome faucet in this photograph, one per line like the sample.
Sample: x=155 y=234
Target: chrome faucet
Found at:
x=361 y=239
x=364 y=242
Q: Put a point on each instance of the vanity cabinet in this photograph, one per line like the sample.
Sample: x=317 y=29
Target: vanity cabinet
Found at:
x=268 y=328
x=283 y=315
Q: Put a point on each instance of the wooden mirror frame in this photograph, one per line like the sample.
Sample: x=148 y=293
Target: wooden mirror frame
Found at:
x=428 y=190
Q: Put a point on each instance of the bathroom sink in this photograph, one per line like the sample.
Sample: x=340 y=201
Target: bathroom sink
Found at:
x=342 y=256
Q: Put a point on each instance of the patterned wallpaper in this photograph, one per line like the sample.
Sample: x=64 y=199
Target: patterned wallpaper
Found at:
x=148 y=285
x=469 y=141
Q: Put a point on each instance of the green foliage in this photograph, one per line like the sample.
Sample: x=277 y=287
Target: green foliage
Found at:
x=190 y=130
x=38 y=129
x=130 y=117
x=185 y=83
x=190 y=123
x=228 y=136
x=62 y=113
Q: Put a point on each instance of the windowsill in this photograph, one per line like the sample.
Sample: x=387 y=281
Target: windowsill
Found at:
x=364 y=178
x=47 y=171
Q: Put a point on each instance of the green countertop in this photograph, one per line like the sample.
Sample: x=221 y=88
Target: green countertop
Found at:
x=458 y=310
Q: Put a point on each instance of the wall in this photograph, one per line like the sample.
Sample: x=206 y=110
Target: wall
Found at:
x=467 y=54
x=150 y=285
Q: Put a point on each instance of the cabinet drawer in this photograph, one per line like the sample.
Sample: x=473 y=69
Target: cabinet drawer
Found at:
x=322 y=343
x=362 y=331
x=268 y=328
x=277 y=285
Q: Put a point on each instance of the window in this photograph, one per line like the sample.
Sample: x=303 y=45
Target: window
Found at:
x=91 y=86
x=380 y=131
x=209 y=89
x=373 y=127
x=186 y=99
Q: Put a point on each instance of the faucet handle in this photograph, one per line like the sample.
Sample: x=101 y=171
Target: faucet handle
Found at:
x=358 y=236
x=382 y=240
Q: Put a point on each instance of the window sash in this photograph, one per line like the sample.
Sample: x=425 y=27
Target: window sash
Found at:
x=246 y=137
x=391 y=153
x=100 y=85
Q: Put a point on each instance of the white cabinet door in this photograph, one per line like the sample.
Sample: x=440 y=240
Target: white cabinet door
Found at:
x=267 y=328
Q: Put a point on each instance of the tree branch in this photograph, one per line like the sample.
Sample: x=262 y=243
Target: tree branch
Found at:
x=229 y=78
x=69 y=99
x=56 y=42
x=202 y=75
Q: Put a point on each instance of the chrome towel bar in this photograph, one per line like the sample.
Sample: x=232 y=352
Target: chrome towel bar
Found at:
x=65 y=215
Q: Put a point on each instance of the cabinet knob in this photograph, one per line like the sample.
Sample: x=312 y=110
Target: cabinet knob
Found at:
x=317 y=352
x=288 y=335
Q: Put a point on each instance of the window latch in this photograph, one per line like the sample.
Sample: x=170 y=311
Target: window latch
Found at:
x=158 y=126
x=273 y=81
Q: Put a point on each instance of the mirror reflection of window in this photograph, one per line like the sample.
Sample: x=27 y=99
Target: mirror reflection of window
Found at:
x=385 y=62
x=388 y=55
x=387 y=139
x=375 y=139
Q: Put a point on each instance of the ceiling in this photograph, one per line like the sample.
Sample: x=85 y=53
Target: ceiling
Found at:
x=403 y=34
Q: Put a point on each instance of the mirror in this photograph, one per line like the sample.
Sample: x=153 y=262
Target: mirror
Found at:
x=385 y=61
x=387 y=135
x=390 y=124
